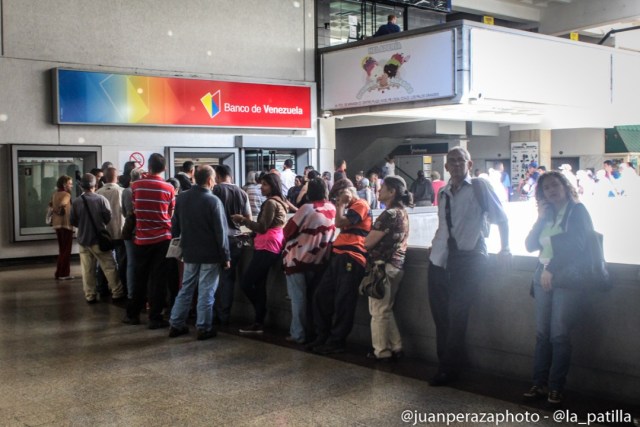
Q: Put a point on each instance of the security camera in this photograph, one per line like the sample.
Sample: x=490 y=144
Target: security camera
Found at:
x=327 y=114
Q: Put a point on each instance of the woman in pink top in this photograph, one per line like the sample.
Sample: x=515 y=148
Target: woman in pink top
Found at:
x=267 y=245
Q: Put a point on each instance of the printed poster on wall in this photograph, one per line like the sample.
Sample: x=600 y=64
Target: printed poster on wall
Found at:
x=86 y=97
x=522 y=154
x=401 y=70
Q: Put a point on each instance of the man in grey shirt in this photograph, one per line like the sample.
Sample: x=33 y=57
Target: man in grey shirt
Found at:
x=459 y=258
x=90 y=253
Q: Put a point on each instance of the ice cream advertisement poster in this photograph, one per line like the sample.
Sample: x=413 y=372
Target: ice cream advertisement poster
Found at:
x=403 y=70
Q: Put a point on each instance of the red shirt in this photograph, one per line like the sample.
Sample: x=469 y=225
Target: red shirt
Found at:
x=153 y=204
x=437 y=185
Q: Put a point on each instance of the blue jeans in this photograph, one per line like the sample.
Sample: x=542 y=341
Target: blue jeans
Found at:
x=556 y=314
x=300 y=287
x=205 y=277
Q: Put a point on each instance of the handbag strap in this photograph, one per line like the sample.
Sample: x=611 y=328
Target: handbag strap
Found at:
x=86 y=205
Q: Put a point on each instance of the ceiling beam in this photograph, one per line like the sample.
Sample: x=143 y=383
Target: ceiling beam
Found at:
x=562 y=18
x=498 y=8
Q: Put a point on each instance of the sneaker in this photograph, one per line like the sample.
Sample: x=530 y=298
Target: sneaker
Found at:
x=372 y=356
x=92 y=301
x=205 y=335
x=65 y=278
x=535 y=392
x=158 y=324
x=555 y=397
x=176 y=332
x=255 y=328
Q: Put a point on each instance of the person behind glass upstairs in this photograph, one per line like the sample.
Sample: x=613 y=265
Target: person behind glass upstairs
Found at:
x=201 y=224
x=560 y=236
x=389 y=28
x=337 y=293
x=459 y=260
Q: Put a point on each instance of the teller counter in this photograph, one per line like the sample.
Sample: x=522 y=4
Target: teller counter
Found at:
x=501 y=336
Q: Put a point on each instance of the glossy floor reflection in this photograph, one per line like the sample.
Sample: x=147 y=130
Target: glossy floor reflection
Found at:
x=64 y=362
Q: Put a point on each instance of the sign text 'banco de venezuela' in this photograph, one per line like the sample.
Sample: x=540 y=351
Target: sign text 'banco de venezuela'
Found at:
x=85 y=97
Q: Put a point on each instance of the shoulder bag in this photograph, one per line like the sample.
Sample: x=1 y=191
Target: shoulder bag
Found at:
x=374 y=281
x=105 y=243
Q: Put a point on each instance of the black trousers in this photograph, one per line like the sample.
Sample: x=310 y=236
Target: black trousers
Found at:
x=451 y=293
x=254 y=283
x=224 y=293
x=335 y=299
x=150 y=276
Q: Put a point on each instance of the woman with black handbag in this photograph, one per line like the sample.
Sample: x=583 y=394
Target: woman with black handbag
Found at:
x=267 y=244
x=560 y=234
x=387 y=242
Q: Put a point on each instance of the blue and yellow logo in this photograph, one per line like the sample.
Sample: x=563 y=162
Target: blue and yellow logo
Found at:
x=211 y=103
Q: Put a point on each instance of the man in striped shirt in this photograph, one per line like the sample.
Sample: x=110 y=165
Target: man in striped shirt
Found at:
x=153 y=204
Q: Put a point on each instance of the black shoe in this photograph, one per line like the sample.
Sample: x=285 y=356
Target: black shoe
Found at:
x=555 y=398
x=205 y=335
x=158 y=324
x=372 y=356
x=313 y=344
x=131 y=320
x=397 y=355
x=176 y=332
x=92 y=301
x=535 y=393
x=331 y=348
x=255 y=328
x=442 y=379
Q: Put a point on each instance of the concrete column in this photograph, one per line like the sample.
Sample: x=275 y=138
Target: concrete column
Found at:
x=326 y=144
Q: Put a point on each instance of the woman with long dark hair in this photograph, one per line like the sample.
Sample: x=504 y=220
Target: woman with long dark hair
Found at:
x=560 y=235
x=267 y=245
x=308 y=236
x=61 y=205
x=387 y=242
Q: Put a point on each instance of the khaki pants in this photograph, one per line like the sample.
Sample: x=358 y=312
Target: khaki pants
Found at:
x=89 y=256
x=385 y=336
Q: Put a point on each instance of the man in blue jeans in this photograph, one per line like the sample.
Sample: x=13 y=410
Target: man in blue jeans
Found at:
x=200 y=222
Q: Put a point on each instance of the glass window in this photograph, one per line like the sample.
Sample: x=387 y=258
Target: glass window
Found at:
x=36 y=170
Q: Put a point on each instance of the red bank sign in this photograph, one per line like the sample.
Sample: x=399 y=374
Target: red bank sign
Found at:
x=85 y=97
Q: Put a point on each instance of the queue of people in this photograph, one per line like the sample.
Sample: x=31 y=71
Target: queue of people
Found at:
x=322 y=271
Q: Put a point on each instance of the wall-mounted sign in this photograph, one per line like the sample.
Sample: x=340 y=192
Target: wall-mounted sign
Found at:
x=488 y=20
x=85 y=97
x=400 y=70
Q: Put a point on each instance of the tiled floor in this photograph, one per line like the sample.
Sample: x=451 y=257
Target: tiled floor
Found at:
x=63 y=362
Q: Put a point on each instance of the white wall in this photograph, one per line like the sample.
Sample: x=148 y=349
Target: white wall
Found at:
x=254 y=40
x=577 y=142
